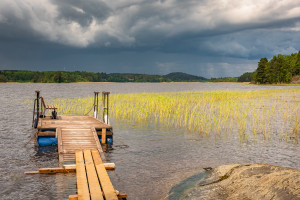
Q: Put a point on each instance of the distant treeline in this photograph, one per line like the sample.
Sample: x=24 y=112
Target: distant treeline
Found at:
x=280 y=69
x=224 y=79
x=77 y=76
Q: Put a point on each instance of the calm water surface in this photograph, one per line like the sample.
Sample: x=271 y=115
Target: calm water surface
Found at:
x=150 y=159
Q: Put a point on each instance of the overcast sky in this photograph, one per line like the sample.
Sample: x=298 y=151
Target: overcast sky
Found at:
x=210 y=38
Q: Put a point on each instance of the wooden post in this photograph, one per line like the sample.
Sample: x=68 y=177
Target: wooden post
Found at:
x=104 y=136
x=38 y=102
x=59 y=147
x=36 y=121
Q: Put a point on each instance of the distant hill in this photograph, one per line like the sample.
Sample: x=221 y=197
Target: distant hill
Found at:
x=180 y=76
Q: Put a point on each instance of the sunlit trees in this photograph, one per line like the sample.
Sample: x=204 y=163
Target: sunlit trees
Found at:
x=280 y=69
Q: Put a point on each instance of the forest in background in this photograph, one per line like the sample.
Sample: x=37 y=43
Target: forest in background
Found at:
x=280 y=69
x=77 y=76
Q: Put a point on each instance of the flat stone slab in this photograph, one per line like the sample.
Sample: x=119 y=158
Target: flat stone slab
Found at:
x=247 y=182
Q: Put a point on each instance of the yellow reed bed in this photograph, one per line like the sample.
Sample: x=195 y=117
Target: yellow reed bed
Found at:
x=247 y=114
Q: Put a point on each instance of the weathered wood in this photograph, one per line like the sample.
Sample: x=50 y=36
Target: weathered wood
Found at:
x=80 y=120
x=107 y=132
x=47 y=106
x=75 y=132
x=73 y=197
x=59 y=146
x=74 y=139
x=31 y=172
x=95 y=189
x=109 y=166
x=106 y=185
x=56 y=170
x=33 y=136
x=103 y=135
x=46 y=134
x=66 y=169
x=82 y=184
x=122 y=196
x=97 y=140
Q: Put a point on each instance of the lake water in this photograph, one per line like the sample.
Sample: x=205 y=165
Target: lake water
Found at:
x=150 y=159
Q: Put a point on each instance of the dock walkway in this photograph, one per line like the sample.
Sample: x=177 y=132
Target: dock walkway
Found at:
x=92 y=179
x=74 y=133
x=78 y=140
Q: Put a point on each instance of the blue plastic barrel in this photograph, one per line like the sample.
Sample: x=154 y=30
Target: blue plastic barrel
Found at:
x=109 y=139
x=46 y=140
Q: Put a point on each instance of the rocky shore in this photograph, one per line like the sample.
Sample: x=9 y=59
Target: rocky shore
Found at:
x=248 y=182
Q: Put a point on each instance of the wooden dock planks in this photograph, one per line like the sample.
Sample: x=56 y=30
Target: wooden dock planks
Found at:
x=93 y=181
x=77 y=135
x=107 y=187
x=74 y=122
x=82 y=186
x=74 y=132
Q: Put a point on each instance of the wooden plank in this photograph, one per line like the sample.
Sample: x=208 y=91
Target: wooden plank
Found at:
x=32 y=172
x=122 y=196
x=73 y=197
x=107 y=133
x=92 y=144
x=46 y=126
x=66 y=169
x=59 y=146
x=46 y=134
x=97 y=140
x=56 y=170
x=70 y=137
x=73 y=125
x=103 y=135
x=107 y=187
x=95 y=189
x=82 y=185
x=79 y=141
x=78 y=146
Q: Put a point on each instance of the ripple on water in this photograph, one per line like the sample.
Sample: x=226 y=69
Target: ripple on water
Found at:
x=150 y=160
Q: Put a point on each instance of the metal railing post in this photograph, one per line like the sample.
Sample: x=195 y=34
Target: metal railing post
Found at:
x=96 y=104
x=105 y=96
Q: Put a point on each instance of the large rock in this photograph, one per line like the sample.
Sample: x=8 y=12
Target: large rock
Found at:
x=255 y=181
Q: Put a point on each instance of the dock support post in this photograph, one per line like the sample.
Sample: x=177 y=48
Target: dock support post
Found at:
x=37 y=111
x=96 y=104
x=105 y=106
x=104 y=136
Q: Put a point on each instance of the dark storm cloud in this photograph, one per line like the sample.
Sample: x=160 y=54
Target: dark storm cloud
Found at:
x=82 y=12
x=193 y=36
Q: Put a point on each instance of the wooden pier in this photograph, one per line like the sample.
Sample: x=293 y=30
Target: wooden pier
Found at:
x=74 y=133
x=79 y=148
x=92 y=179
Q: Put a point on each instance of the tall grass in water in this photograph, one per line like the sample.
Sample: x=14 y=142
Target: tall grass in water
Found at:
x=248 y=114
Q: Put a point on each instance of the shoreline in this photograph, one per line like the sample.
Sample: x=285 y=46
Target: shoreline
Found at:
x=243 y=181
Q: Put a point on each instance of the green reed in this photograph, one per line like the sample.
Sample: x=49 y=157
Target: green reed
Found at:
x=248 y=114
